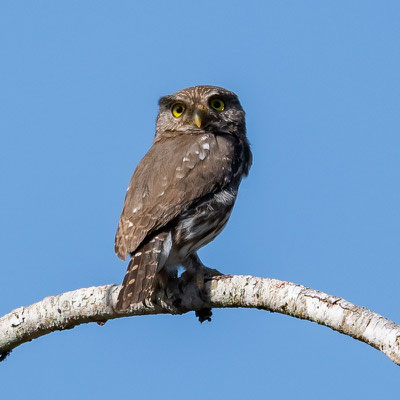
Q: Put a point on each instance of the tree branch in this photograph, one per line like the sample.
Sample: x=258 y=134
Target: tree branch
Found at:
x=96 y=304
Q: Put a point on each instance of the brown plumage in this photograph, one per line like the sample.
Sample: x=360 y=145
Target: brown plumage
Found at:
x=183 y=190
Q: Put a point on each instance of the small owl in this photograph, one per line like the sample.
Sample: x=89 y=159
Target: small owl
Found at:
x=182 y=192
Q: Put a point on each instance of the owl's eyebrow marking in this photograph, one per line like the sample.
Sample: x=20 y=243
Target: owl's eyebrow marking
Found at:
x=227 y=97
x=165 y=100
x=168 y=100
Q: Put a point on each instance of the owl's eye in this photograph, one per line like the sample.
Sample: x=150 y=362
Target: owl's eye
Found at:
x=217 y=104
x=178 y=109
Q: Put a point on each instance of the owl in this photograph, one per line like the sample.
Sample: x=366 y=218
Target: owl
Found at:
x=182 y=192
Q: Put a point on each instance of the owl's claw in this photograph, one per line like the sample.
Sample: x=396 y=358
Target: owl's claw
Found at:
x=209 y=273
x=204 y=314
x=189 y=291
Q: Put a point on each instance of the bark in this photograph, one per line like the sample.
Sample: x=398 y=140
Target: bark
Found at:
x=96 y=304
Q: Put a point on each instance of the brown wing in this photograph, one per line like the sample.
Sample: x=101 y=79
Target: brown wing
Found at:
x=174 y=173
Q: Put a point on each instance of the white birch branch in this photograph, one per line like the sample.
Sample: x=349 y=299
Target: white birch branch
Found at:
x=96 y=304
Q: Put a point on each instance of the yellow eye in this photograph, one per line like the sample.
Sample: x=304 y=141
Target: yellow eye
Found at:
x=217 y=104
x=178 y=109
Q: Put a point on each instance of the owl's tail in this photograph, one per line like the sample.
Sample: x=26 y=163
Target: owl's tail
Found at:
x=140 y=279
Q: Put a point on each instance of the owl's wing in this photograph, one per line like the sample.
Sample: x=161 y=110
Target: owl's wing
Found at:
x=174 y=174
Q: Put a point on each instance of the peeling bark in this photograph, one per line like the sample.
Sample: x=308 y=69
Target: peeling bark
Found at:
x=96 y=304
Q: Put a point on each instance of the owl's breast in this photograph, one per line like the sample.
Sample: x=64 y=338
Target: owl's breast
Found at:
x=200 y=224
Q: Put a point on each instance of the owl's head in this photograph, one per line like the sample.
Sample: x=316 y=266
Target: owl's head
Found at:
x=201 y=109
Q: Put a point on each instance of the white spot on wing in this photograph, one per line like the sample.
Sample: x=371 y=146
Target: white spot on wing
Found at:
x=206 y=146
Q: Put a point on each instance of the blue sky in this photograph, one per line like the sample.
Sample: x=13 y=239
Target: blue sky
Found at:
x=320 y=84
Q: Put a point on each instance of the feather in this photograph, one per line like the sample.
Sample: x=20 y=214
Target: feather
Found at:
x=140 y=275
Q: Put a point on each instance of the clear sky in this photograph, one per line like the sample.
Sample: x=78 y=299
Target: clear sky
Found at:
x=320 y=82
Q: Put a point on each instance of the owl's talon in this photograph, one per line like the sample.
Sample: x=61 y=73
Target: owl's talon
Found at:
x=210 y=272
x=204 y=314
x=208 y=276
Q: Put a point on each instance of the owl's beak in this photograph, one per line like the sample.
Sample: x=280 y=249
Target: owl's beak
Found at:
x=198 y=116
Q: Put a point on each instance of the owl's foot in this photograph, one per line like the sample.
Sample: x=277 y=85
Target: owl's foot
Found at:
x=193 y=286
x=167 y=293
x=173 y=293
x=199 y=276
x=204 y=314
x=196 y=276
x=188 y=292
x=210 y=272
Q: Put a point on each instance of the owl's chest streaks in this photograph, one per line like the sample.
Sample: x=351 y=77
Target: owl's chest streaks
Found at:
x=201 y=224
